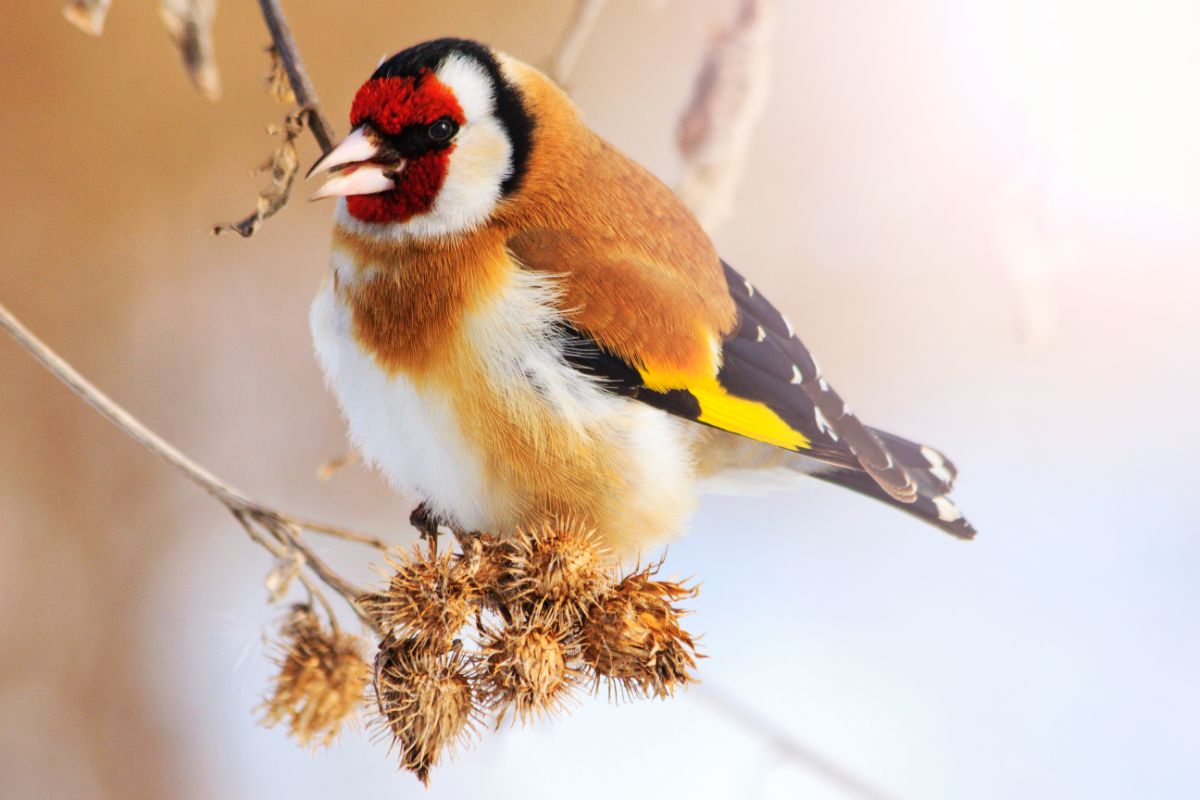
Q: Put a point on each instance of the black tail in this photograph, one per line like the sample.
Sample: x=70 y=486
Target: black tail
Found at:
x=934 y=475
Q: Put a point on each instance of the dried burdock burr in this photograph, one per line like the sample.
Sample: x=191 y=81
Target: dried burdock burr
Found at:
x=482 y=562
x=548 y=614
x=529 y=666
x=429 y=597
x=558 y=569
x=321 y=680
x=633 y=637
x=425 y=701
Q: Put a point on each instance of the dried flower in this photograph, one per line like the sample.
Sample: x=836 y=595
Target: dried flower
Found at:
x=429 y=597
x=283 y=165
x=320 y=683
x=279 y=85
x=559 y=568
x=481 y=562
x=190 y=25
x=425 y=701
x=527 y=666
x=87 y=15
x=633 y=636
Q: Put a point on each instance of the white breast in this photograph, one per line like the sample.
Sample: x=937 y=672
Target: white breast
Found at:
x=409 y=434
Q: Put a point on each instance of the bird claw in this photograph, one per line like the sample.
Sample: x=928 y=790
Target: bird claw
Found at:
x=427 y=524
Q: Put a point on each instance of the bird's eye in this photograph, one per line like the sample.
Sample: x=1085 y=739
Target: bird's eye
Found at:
x=442 y=130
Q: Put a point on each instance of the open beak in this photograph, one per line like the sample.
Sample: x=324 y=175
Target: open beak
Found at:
x=352 y=169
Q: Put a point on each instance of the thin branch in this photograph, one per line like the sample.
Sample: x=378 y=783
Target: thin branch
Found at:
x=281 y=553
x=339 y=533
x=284 y=528
x=290 y=535
x=583 y=21
x=285 y=541
x=729 y=97
x=786 y=746
x=118 y=416
x=306 y=95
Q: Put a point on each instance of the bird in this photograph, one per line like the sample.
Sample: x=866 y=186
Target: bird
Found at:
x=522 y=326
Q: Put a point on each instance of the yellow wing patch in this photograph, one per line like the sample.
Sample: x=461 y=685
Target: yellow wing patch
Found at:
x=729 y=412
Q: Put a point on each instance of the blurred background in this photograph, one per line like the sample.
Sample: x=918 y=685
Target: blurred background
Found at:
x=983 y=217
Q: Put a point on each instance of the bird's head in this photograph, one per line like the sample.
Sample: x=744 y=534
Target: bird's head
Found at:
x=439 y=136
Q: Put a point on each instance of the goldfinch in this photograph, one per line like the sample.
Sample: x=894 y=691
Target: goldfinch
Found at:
x=521 y=324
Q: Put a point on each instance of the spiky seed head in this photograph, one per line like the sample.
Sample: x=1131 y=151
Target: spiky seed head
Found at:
x=425 y=702
x=481 y=561
x=527 y=666
x=559 y=567
x=633 y=637
x=427 y=597
x=320 y=683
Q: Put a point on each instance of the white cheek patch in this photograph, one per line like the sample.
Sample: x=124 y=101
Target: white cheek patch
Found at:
x=479 y=165
x=471 y=84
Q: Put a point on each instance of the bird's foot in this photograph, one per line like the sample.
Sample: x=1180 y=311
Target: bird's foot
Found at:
x=427 y=524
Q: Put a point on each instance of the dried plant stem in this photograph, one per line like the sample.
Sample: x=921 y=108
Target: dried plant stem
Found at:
x=281 y=551
x=118 y=416
x=340 y=533
x=290 y=534
x=283 y=528
x=729 y=97
x=583 y=21
x=306 y=95
x=787 y=747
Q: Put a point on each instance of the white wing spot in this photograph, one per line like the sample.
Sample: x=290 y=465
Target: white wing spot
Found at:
x=937 y=464
x=797 y=377
x=761 y=334
x=823 y=424
x=749 y=287
x=823 y=384
x=787 y=323
x=947 y=511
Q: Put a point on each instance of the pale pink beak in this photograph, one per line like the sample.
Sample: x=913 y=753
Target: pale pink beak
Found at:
x=353 y=170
